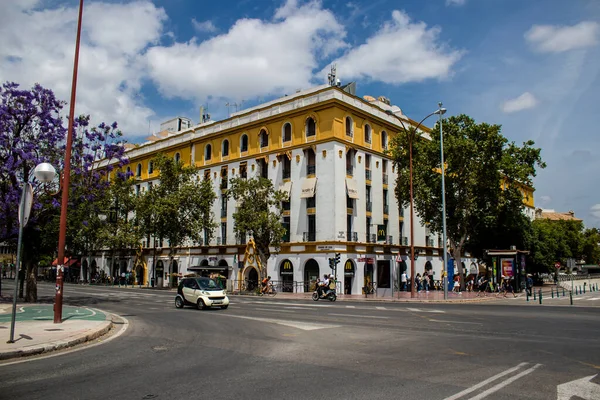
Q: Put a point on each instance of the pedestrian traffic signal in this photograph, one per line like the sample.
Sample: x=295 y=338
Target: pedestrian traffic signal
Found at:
x=337 y=258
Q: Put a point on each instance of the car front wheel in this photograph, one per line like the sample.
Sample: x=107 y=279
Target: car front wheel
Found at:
x=200 y=305
x=224 y=307
x=178 y=302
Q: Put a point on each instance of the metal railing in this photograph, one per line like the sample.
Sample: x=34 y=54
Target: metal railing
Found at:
x=371 y=238
x=386 y=209
x=352 y=236
x=369 y=206
x=309 y=236
x=404 y=241
x=389 y=240
x=223 y=212
x=311 y=169
x=385 y=179
x=368 y=174
x=350 y=170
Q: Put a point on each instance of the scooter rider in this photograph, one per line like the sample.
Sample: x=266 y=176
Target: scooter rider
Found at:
x=323 y=285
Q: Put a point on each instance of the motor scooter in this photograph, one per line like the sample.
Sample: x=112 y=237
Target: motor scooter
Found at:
x=328 y=294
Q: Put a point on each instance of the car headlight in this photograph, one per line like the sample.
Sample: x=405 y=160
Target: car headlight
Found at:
x=205 y=293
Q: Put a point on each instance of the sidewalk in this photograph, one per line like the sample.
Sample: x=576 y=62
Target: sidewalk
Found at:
x=36 y=332
x=434 y=296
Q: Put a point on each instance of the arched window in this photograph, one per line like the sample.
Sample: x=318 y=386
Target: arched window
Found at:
x=225 y=148
x=263 y=138
x=207 y=152
x=177 y=158
x=128 y=171
x=384 y=140
x=367 y=133
x=311 y=127
x=287 y=132
x=150 y=167
x=349 y=127
x=138 y=170
x=244 y=143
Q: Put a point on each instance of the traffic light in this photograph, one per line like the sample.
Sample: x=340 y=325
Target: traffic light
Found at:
x=337 y=258
x=331 y=263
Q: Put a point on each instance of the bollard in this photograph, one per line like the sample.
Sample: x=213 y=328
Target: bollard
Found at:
x=540 y=296
x=552 y=292
x=534 y=296
x=563 y=292
x=557 y=295
x=584 y=288
x=527 y=294
x=571 y=297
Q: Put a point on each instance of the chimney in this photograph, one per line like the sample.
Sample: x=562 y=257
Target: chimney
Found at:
x=572 y=213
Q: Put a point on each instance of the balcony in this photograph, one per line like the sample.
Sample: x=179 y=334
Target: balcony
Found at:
x=223 y=213
x=385 y=179
x=386 y=209
x=286 y=236
x=349 y=170
x=368 y=174
x=429 y=242
x=311 y=169
x=389 y=240
x=309 y=236
x=218 y=241
x=369 y=206
x=404 y=241
x=352 y=236
x=240 y=239
x=371 y=238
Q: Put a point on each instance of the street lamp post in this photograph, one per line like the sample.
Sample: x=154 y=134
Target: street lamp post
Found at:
x=410 y=135
x=441 y=112
x=44 y=173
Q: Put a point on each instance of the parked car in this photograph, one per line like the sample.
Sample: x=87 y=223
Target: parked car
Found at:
x=201 y=292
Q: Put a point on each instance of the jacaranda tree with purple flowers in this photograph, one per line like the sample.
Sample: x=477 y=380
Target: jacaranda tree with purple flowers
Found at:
x=32 y=131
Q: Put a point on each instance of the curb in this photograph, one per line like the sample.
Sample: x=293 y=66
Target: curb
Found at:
x=58 y=345
x=376 y=300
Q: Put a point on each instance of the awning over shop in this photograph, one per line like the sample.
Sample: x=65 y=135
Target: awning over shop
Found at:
x=309 y=186
x=352 y=188
x=286 y=188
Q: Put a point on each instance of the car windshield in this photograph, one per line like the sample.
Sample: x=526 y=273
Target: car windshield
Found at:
x=208 y=284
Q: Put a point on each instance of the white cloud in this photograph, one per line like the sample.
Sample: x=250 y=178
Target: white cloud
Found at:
x=557 y=38
x=401 y=51
x=455 y=2
x=206 y=26
x=38 y=45
x=595 y=211
x=253 y=58
x=523 y=102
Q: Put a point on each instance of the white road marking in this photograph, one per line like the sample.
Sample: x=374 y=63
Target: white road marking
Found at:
x=456 y=322
x=350 y=307
x=275 y=310
x=485 y=382
x=306 y=326
x=593 y=298
x=381 y=308
x=507 y=382
x=425 y=311
x=358 y=316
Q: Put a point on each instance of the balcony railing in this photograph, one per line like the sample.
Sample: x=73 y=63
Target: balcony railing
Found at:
x=390 y=240
x=368 y=174
x=286 y=236
x=311 y=169
x=430 y=242
x=349 y=170
x=352 y=236
x=240 y=239
x=404 y=241
x=218 y=241
x=369 y=206
x=309 y=236
x=385 y=179
x=223 y=212
x=386 y=209
x=371 y=238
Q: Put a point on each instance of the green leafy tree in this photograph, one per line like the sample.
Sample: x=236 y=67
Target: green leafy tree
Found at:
x=556 y=241
x=591 y=246
x=478 y=159
x=258 y=214
x=178 y=208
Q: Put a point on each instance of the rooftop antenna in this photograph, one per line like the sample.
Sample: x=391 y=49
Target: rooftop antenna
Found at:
x=331 y=76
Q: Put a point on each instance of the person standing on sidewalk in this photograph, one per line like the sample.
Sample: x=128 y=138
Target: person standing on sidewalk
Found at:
x=403 y=281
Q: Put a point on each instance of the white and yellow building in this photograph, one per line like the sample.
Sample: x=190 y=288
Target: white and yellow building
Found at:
x=324 y=146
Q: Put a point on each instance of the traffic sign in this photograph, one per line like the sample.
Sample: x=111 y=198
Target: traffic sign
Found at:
x=557 y=265
x=28 y=193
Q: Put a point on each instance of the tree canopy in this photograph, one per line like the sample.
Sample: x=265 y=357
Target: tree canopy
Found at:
x=258 y=214
x=478 y=158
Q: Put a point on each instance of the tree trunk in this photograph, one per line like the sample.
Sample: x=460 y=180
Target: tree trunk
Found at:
x=456 y=254
x=31 y=287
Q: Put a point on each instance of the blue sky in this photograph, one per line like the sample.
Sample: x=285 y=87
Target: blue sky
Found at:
x=531 y=66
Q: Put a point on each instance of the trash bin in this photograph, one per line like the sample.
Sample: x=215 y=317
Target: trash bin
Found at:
x=151 y=282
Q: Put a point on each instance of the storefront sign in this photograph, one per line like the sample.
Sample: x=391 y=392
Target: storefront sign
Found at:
x=348 y=268
x=324 y=247
x=366 y=260
x=507 y=266
x=286 y=268
x=381 y=232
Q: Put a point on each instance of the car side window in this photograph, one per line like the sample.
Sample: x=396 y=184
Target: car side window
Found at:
x=194 y=285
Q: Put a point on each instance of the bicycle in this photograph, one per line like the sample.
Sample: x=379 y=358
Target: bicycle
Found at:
x=269 y=291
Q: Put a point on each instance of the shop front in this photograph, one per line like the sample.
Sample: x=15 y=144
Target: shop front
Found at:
x=286 y=275
x=349 y=272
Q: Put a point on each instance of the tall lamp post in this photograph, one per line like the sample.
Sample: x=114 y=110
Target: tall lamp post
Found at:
x=62 y=231
x=441 y=112
x=410 y=135
x=44 y=173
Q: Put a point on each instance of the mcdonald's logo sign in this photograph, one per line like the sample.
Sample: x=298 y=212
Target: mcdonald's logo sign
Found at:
x=381 y=232
x=287 y=265
x=286 y=268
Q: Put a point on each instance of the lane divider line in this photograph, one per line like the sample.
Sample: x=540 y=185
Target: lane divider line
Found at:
x=507 y=382
x=485 y=382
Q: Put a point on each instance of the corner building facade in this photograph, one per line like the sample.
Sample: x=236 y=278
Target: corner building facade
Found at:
x=326 y=148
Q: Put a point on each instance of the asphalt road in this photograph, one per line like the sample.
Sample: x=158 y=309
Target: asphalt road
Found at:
x=295 y=349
